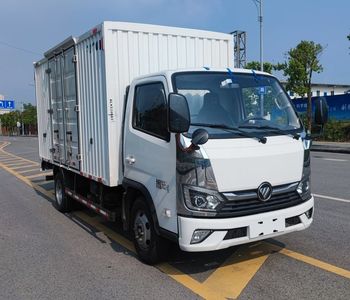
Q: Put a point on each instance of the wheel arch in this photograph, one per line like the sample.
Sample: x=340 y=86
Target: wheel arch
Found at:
x=133 y=190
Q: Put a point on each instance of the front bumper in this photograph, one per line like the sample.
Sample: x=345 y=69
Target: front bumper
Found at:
x=259 y=226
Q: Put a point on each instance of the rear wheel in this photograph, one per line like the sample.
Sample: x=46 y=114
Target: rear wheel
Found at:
x=62 y=202
x=150 y=247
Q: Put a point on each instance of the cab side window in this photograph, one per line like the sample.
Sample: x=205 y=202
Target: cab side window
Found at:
x=149 y=113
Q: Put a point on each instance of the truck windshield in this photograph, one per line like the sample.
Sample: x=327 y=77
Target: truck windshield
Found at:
x=248 y=101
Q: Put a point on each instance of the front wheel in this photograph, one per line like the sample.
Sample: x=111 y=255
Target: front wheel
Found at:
x=150 y=247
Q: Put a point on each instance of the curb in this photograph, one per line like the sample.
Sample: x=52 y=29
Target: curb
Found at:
x=328 y=149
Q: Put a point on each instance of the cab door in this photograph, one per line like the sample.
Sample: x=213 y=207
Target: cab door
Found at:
x=149 y=149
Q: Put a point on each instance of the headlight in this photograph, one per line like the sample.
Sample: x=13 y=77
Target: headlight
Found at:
x=304 y=188
x=201 y=199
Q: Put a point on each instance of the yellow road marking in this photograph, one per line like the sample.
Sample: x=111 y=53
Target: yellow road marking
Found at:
x=22 y=167
x=40 y=182
x=317 y=263
x=238 y=270
x=192 y=284
x=308 y=260
x=18 y=157
x=27 y=181
x=27 y=171
x=14 y=164
x=174 y=273
x=39 y=175
x=4 y=145
x=10 y=160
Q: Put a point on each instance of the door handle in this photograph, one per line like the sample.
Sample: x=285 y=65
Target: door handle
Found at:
x=130 y=159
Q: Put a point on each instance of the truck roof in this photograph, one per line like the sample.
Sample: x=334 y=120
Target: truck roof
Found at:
x=168 y=73
x=135 y=27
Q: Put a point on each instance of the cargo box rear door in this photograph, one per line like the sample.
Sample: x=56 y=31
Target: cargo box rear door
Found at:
x=70 y=109
x=55 y=66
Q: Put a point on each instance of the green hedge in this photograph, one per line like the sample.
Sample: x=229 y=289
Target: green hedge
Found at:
x=336 y=131
x=333 y=131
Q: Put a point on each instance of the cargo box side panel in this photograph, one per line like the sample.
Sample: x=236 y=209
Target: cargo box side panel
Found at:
x=133 y=53
x=43 y=107
x=93 y=108
x=132 y=50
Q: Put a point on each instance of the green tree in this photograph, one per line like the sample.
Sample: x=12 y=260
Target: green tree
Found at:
x=29 y=117
x=255 y=65
x=9 y=121
x=302 y=62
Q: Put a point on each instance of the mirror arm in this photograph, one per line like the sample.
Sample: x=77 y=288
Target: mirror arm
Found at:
x=189 y=149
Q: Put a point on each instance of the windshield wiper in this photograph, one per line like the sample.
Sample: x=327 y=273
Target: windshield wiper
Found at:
x=273 y=129
x=261 y=139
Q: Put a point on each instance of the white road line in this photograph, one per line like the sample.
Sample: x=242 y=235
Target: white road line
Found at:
x=332 y=198
x=330 y=159
x=334 y=159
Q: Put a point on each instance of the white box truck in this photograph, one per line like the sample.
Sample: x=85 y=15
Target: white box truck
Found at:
x=153 y=125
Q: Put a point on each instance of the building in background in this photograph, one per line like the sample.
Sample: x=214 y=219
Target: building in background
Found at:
x=323 y=89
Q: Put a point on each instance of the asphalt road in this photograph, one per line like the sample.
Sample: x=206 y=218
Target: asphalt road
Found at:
x=47 y=255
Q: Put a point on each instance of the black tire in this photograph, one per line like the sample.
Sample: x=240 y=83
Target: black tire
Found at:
x=63 y=203
x=150 y=247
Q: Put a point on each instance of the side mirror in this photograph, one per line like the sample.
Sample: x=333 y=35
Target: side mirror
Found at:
x=321 y=111
x=199 y=137
x=178 y=113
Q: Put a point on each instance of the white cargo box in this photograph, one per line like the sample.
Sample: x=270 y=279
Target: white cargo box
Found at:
x=81 y=84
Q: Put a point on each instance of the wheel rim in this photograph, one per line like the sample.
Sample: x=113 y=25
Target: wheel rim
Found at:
x=59 y=192
x=142 y=230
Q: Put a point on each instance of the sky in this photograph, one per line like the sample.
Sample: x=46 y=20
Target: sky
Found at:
x=30 y=27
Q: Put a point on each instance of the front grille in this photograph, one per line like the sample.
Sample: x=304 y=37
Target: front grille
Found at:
x=236 y=233
x=252 y=205
x=292 y=221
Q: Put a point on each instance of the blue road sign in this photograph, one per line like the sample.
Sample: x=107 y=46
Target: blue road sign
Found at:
x=7 y=104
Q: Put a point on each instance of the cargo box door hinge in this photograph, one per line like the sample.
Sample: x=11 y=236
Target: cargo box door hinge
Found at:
x=77 y=108
x=79 y=157
x=74 y=58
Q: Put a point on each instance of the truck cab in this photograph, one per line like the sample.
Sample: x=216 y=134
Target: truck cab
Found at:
x=222 y=154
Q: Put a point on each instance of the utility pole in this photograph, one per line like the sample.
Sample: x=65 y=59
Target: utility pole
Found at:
x=261 y=36
x=22 y=118
x=260 y=20
x=240 y=41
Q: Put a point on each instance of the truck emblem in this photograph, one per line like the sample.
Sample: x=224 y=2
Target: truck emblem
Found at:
x=264 y=191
